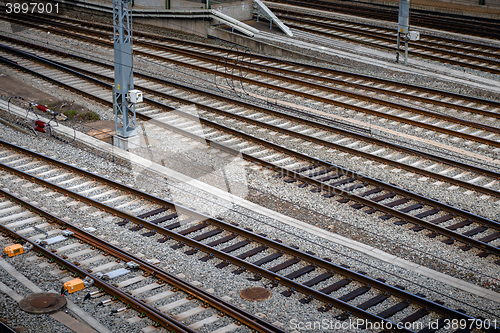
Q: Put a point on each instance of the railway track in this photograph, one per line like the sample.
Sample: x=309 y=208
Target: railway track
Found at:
x=472 y=55
x=300 y=133
x=303 y=70
x=150 y=78
x=189 y=231
x=324 y=176
x=364 y=98
x=445 y=22
x=118 y=273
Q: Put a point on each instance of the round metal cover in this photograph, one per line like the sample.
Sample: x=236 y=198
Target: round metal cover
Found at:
x=255 y=294
x=43 y=301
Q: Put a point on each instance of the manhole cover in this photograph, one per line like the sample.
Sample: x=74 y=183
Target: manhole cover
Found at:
x=43 y=302
x=255 y=294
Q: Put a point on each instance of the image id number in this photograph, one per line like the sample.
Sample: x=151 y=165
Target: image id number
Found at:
x=32 y=7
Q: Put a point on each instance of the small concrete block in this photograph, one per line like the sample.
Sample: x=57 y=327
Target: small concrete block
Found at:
x=205 y=321
x=423 y=179
x=154 y=261
x=104 y=267
x=149 y=329
x=469 y=192
x=57 y=271
x=134 y=320
x=129 y=282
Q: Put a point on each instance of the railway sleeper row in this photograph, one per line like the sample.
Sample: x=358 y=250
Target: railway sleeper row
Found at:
x=346 y=147
x=205 y=229
x=469 y=241
x=300 y=67
x=26 y=218
x=216 y=59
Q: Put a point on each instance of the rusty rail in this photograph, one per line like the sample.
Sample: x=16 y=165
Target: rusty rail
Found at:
x=323 y=186
x=224 y=308
x=243 y=265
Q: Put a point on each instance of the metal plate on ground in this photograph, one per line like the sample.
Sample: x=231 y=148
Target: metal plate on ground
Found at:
x=43 y=303
x=255 y=294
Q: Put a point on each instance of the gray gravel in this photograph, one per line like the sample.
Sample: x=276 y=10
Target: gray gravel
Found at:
x=219 y=171
x=222 y=280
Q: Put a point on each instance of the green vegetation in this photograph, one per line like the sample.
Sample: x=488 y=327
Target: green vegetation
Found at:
x=82 y=115
x=73 y=111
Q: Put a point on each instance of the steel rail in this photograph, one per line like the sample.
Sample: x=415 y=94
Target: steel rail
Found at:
x=423 y=45
x=243 y=265
x=357 y=108
x=308 y=66
x=464 y=166
x=198 y=246
x=389 y=32
x=303 y=136
x=216 y=59
x=222 y=306
x=415 y=53
x=146 y=310
x=333 y=167
x=353 y=107
x=388 y=187
x=456 y=18
x=323 y=186
x=448 y=24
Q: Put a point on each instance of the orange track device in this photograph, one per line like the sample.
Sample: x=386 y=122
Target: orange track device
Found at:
x=13 y=250
x=74 y=285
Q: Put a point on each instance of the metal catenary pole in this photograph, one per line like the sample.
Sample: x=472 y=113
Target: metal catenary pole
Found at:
x=125 y=118
x=403 y=27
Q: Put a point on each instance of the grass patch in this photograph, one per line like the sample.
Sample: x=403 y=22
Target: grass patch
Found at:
x=73 y=111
